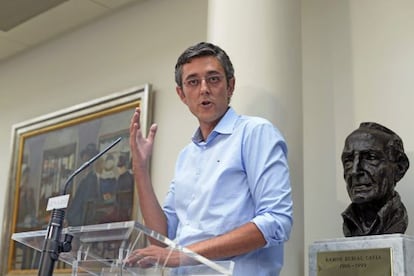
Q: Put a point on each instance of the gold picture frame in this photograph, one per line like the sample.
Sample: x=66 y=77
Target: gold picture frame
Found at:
x=47 y=149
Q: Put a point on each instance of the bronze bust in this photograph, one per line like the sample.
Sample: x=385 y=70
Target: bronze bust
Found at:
x=374 y=161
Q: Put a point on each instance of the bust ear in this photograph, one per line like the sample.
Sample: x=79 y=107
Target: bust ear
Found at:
x=402 y=166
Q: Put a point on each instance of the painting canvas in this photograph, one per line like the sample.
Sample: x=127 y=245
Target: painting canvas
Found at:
x=48 y=149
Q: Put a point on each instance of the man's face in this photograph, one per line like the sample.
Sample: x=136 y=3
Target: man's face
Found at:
x=209 y=99
x=368 y=172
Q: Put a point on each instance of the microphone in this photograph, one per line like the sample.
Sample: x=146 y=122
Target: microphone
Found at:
x=52 y=245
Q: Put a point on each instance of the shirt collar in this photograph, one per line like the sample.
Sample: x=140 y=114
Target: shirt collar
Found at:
x=224 y=126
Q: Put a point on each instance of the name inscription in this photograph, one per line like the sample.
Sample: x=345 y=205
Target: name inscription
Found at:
x=367 y=262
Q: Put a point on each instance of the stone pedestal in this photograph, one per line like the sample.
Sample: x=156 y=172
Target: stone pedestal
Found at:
x=402 y=251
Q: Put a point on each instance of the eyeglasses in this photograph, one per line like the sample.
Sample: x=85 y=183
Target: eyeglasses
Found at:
x=212 y=80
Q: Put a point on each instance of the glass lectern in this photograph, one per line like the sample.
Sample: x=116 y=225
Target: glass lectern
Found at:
x=101 y=250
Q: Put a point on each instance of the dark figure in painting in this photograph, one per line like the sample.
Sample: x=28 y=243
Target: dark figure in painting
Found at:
x=26 y=219
x=125 y=189
x=374 y=161
x=87 y=192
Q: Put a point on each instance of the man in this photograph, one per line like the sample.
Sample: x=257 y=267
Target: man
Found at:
x=374 y=161
x=230 y=198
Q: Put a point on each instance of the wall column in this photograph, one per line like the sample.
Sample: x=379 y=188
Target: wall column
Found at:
x=263 y=39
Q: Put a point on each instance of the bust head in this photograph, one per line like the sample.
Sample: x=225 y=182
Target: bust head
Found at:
x=374 y=161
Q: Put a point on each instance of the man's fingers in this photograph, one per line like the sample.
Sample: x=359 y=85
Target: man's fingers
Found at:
x=141 y=260
x=135 y=124
x=132 y=259
x=135 y=127
x=152 y=132
x=147 y=262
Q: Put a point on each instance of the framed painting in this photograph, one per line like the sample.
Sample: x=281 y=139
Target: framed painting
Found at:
x=48 y=149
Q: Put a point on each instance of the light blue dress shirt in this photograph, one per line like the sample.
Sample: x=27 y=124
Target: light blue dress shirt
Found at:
x=239 y=174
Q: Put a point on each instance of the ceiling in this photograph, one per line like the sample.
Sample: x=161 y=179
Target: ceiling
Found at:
x=27 y=23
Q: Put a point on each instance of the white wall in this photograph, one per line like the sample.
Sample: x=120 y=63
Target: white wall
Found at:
x=357 y=66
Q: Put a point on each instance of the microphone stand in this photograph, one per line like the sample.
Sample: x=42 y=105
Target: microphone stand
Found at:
x=52 y=245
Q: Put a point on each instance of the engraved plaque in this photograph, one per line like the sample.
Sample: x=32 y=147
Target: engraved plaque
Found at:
x=366 y=262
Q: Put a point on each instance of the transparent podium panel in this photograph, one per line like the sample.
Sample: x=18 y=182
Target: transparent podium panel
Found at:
x=104 y=249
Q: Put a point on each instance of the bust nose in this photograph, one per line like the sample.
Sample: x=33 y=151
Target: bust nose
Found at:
x=356 y=164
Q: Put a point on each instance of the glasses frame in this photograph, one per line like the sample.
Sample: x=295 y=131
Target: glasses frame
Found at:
x=211 y=80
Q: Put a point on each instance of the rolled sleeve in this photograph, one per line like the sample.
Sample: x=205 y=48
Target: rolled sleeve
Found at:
x=170 y=213
x=270 y=184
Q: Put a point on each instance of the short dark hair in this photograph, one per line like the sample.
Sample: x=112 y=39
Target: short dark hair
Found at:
x=203 y=49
